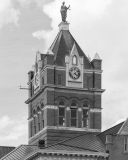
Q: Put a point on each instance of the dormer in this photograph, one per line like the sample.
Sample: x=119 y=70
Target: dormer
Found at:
x=74 y=68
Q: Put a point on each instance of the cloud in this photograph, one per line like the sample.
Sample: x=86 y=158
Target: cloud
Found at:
x=12 y=129
x=82 y=12
x=119 y=121
x=8 y=14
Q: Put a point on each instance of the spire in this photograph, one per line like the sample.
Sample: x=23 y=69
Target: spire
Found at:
x=97 y=56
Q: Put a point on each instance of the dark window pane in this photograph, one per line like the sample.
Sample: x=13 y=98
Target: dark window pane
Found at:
x=42 y=114
x=73 y=113
x=61 y=121
x=59 y=79
x=42 y=105
x=73 y=122
x=85 y=105
x=42 y=80
x=42 y=123
x=85 y=122
x=34 y=121
x=35 y=129
x=61 y=103
x=62 y=112
x=85 y=113
x=73 y=104
x=39 y=126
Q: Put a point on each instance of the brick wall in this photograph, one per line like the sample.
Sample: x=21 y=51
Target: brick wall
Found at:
x=117 y=152
x=97 y=81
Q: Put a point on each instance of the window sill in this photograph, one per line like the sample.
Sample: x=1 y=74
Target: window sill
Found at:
x=125 y=152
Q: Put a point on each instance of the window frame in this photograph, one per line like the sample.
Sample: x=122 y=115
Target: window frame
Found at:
x=72 y=107
x=59 y=79
x=125 y=144
x=38 y=117
x=42 y=118
x=74 y=57
x=34 y=124
x=84 y=118
x=63 y=117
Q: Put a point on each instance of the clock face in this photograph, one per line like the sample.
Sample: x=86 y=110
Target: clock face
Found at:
x=37 y=79
x=74 y=73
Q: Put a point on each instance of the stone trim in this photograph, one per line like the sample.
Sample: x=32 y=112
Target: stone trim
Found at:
x=79 y=92
x=93 y=71
x=50 y=107
x=30 y=119
x=65 y=128
x=95 y=110
x=72 y=128
x=52 y=67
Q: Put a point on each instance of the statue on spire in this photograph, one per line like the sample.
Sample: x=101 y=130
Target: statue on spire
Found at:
x=63 y=11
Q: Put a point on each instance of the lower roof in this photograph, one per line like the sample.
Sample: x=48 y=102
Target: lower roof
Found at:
x=85 y=144
x=5 y=150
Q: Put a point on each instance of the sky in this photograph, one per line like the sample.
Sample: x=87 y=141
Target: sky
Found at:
x=27 y=26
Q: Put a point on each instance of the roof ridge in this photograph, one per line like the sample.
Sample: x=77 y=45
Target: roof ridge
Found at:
x=55 y=39
x=68 y=139
x=79 y=147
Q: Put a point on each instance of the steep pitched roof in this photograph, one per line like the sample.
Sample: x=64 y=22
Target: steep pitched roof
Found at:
x=113 y=130
x=62 y=46
x=5 y=150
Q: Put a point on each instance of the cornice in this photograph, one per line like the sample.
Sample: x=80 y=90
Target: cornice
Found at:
x=63 y=88
x=48 y=154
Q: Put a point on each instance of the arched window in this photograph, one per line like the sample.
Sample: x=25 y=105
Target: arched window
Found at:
x=42 y=117
x=34 y=120
x=61 y=113
x=34 y=125
x=38 y=117
x=42 y=105
x=74 y=60
x=42 y=114
x=85 y=115
x=73 y=114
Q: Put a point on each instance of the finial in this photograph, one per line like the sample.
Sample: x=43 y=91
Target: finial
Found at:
x=63 y=11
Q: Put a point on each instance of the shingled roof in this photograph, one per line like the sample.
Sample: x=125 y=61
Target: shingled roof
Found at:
x=20 y=152
x=5 y=150
x=113 y=131
x=82 y=143
x=87 y=141
x=62 y=46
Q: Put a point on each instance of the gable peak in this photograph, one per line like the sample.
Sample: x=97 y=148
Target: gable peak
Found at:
x=74 y=50
x=124 y=129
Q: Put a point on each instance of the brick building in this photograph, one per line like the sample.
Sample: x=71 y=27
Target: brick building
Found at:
x=65 y=92
x=65 y=113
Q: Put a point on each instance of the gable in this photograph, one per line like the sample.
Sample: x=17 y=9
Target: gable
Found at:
x=124 y=129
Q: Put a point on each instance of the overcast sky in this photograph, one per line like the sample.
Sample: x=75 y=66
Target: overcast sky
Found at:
x=27 y=26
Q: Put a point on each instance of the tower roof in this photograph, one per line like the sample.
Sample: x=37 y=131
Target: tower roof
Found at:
x=63 y=45
x=97 y=56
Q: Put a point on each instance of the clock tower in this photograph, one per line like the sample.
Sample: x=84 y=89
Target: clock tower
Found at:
x=64 y=91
